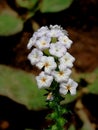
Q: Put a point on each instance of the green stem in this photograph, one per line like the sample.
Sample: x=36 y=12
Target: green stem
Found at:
x=57 y=109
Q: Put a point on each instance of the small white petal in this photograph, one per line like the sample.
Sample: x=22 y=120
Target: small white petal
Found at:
x=68 y=86
x=62 y=76
x=66 y=61
x=31 y=42
x=59 y=29
x=63 y=91
x=35 y=56
x=65 y=41
x=48 y=63
x=73 y=85
x=57 y=49
x=44 y=80
x=72 y=91
x=42 y=31
x=43 y=43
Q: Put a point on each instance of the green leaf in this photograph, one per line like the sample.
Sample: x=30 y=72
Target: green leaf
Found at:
x=10 y=23
x=91 y=78
x=93 y=82
x=87 y=125
x=54 y=5
x=71 y=127
x=21 y=87
x=29 y=4
x=69 y=98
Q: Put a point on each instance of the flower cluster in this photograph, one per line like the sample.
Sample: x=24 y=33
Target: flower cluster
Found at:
x=49 y=53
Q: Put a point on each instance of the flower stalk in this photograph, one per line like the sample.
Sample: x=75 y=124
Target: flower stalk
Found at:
x=49 y=53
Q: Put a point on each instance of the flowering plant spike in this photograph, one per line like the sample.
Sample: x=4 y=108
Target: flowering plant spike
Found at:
x=49 y=53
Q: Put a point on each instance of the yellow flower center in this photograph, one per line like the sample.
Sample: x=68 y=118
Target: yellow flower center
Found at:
x=65 y=59
x=47 y=64
x=61 y=73
x=64 y=40
x=36 y=55
x=43 y=79
x=68 y=87
x=43 y=43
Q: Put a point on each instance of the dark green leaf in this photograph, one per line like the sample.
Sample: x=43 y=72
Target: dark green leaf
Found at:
x=54 y=5
x=21 y=87
x=10 y=23
x=29 y=4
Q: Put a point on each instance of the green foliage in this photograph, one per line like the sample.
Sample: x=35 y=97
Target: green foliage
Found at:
x=87 y=126
x=69 y=98
x=21 y=87
x=54 y=5
x=12 y=23
x=91 y=78
x=93 y=82
x=71 y=127
x=45 y=5
x=29 y=4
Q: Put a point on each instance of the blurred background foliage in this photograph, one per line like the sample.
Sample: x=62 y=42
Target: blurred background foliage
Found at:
x=21 y=87
x=11 y=22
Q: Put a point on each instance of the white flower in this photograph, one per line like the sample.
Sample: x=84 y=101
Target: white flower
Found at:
x=35 y=56
x=43 y=43
x=55 y=27
x=62 y=76
x=69 y=86
x=48 y=63
x=44 y=80
x=31 y=42
x=42 y=31
x=57 y=49
x=37 y=35
x=57 y=31
x=65 y=41
x=66 y=61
